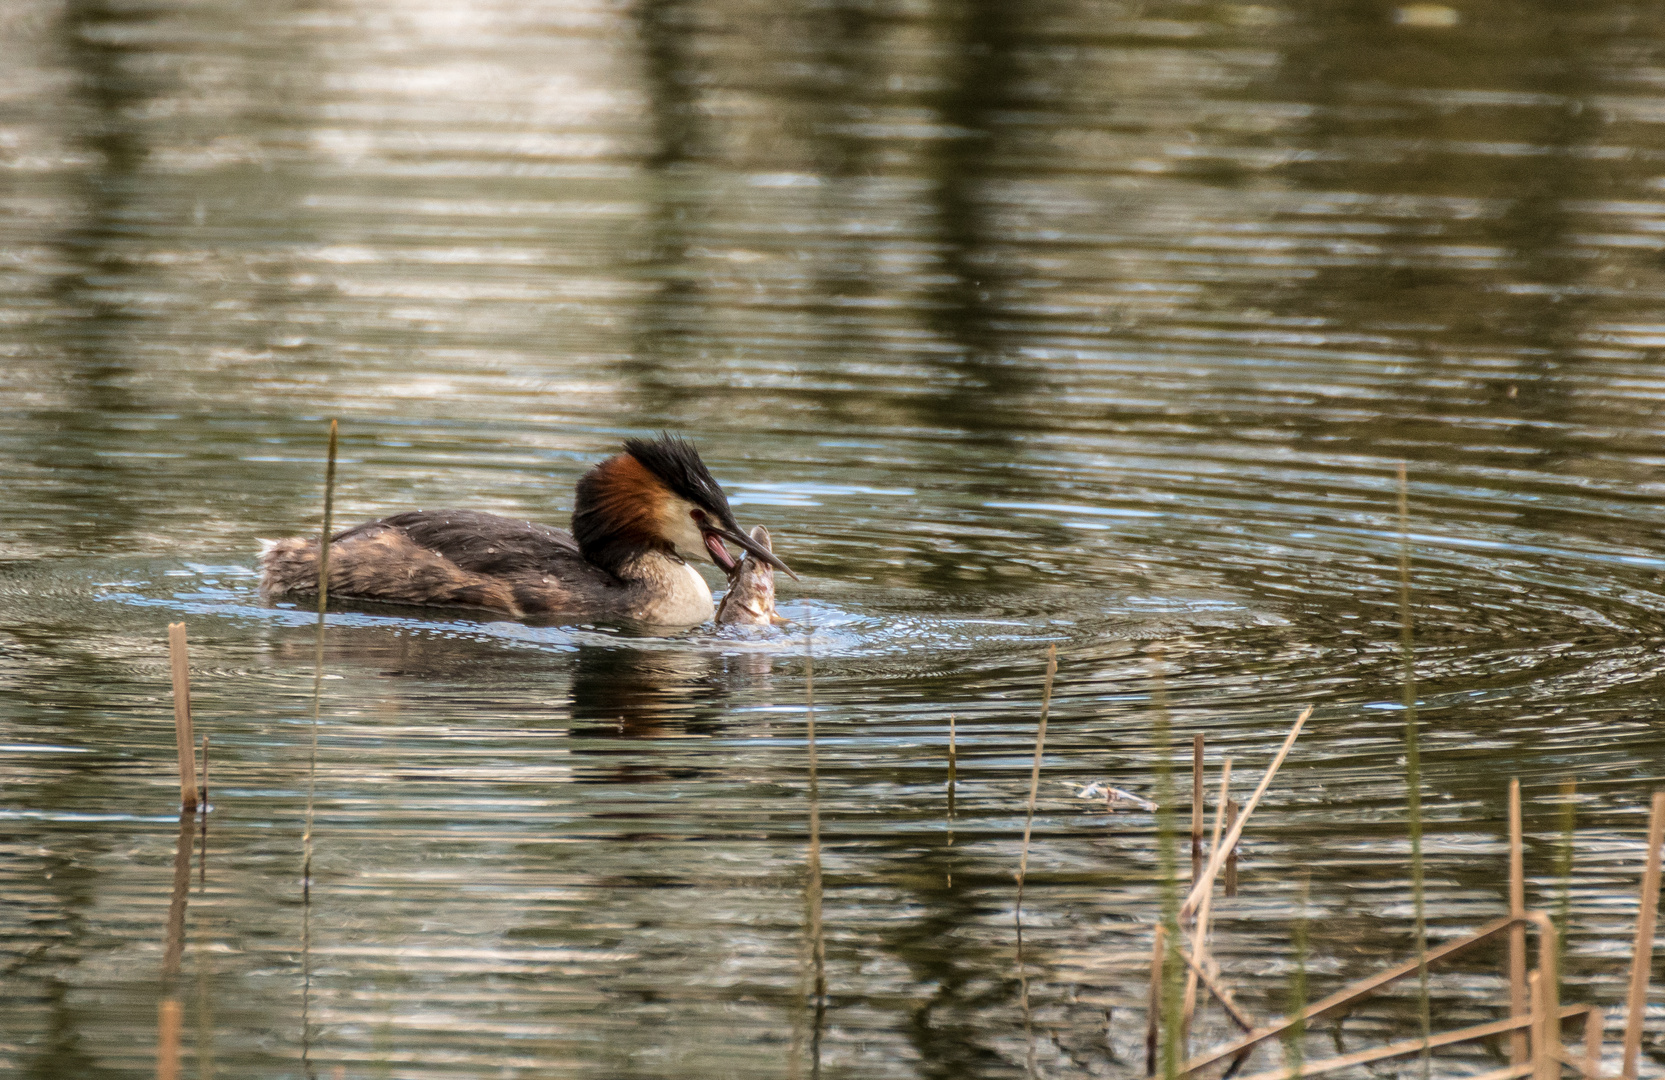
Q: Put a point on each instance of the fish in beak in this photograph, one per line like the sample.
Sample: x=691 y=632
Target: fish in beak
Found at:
x=750 y=600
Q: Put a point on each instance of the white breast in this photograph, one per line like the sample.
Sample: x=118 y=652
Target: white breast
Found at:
x=699 y=582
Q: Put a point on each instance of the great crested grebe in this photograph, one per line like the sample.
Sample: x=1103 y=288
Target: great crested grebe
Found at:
x=635 y=517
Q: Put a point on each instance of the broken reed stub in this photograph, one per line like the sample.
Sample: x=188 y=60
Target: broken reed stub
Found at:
x=186 y=742
x=168 y=1017
x=1641 y=956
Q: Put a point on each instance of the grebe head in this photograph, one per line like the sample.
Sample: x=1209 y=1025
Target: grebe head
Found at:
x=658 y=494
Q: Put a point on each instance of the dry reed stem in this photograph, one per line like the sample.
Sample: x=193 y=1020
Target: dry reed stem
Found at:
x=1221 y=993
x=1582 y=1061
x=173 y=947
x=1412 y=1046
x=1233 y=809
x=167 y=1040
x=318 y=654
x=1546 y=998
x=324 y=533
x=953 y=756
x=1217 y=858
x=1035 y=771
x=202 y=782
x=1519 y=1000
x=1199 y=934
x=180 y=662
x=1641 y=957
x=1594 y=1025
x=1153 y=1012
x=202 y=853
x=1508 y=1072
x=1196 y=805
x=1535 y=990
x=1364 y=987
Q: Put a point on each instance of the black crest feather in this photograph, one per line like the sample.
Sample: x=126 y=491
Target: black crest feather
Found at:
x=678 y=464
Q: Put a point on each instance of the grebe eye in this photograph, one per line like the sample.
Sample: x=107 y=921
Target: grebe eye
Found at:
x=697 y=515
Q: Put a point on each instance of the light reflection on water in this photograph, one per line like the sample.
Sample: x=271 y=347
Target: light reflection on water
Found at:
x=1016 y=323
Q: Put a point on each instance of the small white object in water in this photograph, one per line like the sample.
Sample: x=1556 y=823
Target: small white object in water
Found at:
x=1114 y=795
x=1427 y=16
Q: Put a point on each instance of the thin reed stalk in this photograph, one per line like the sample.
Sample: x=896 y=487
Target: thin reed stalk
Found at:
x=202 y=854
x=1220 y=993
x=1564 y=861
x=167 y=1039
x=201 y=958
x=1413 y=767
x=1641 y=956
x=1035 y=772
x=180 y=663
x=1196 y=805
x=324 y=533
x=1594 y=1029
x=1547 y=1049
x=1200 y=932
x=202 y=859
x=812 y=889
x=953 y=757
x=1169 y=976
x=1535 y=989
x=173 y=947
x=1233 y=809
x=1153 y=1008
x=312 y=756
x=1023 y=858
x=1520 y=1003
x=318 y=653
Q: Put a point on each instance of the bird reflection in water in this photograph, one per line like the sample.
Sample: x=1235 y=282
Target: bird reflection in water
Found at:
x=631 y=688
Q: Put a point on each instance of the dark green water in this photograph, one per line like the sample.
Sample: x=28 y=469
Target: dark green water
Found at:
x=1017 y=323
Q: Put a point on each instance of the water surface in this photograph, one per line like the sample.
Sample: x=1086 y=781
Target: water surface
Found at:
x=1019 y=324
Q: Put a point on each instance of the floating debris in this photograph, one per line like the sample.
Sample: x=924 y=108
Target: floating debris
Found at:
x=1114 y=797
